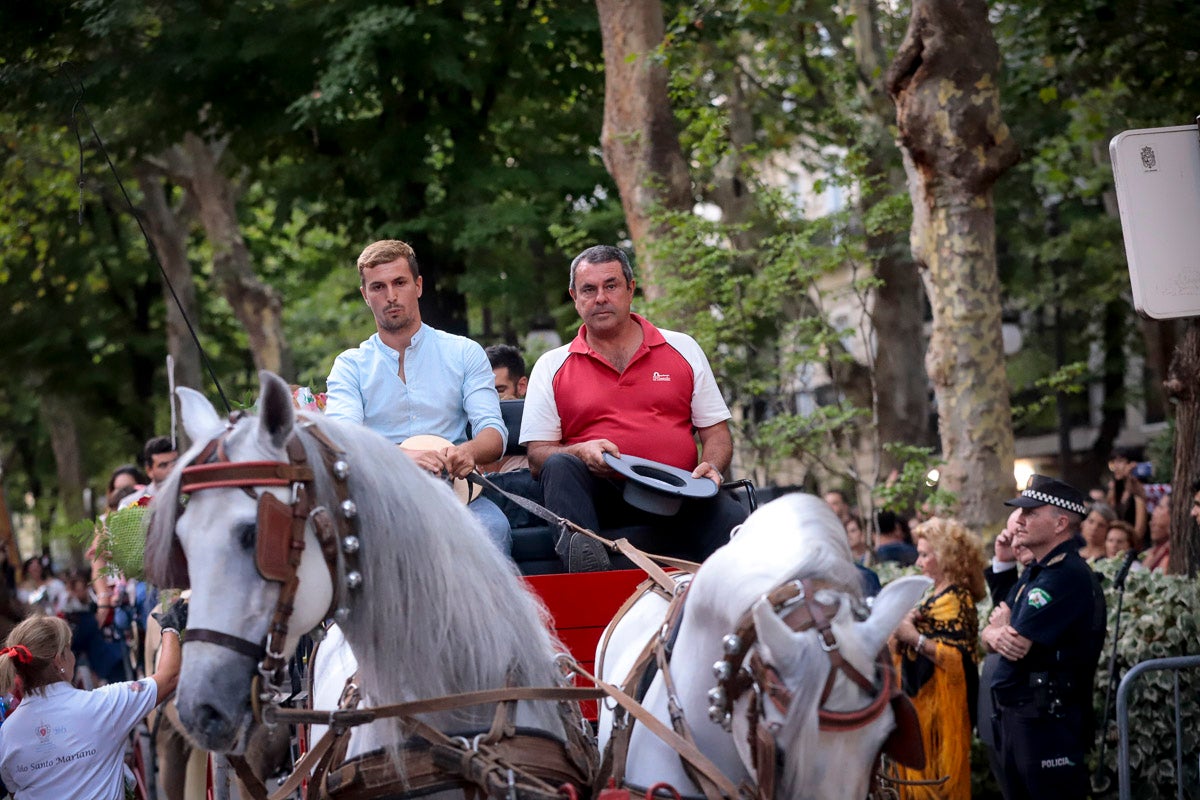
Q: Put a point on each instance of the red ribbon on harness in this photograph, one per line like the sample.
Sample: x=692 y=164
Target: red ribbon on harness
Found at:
x=20 y=654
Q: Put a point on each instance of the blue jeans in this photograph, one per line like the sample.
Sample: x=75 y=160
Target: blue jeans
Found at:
x=494 y=522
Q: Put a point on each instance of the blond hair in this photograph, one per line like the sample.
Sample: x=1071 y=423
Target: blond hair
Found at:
x=959 y=553
x=385 y=251
x=45 y=638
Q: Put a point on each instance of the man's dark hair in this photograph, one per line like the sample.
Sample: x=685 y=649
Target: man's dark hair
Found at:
x=508 y=357
x=1126 y=452
x=156 y=446
x=602 y=254
x=887 y=521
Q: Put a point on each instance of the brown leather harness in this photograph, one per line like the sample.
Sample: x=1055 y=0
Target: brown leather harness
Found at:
x=279 y=544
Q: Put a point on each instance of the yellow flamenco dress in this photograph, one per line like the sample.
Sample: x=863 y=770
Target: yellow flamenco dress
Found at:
x=943 y=684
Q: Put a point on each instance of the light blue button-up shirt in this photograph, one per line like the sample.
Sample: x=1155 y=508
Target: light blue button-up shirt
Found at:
x=449 y=383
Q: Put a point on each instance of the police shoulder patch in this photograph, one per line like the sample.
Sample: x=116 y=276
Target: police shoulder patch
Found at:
x=1039 y=597
x=1056 y=559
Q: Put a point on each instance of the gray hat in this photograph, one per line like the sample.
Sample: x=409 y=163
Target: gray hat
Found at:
x=658 y=488
x=1042 y=490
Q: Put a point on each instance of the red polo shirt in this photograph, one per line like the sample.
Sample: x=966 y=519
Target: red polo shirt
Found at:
x=649 y=410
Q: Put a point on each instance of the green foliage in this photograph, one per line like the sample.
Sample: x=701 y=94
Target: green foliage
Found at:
x=122 y=540
x=913 y=487
x=1160 y=618
x=1067 y=379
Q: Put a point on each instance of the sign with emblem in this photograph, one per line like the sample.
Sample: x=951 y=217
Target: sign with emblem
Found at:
x=1157 y=173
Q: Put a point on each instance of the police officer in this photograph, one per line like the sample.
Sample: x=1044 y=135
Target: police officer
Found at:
x=1049 y=635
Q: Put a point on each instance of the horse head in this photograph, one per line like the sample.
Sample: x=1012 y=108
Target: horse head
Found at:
x=828 y=720
x=208 y=531
x=804 y=671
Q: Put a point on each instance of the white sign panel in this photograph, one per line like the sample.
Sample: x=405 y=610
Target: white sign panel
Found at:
x=1157 y=172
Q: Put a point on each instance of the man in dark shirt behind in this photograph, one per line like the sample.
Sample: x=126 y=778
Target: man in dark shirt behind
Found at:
x=1049 y=636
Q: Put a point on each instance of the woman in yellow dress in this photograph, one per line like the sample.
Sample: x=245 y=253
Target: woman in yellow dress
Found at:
x=935 y=649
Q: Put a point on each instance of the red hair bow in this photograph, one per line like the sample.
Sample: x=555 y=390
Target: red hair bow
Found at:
x=20 y=654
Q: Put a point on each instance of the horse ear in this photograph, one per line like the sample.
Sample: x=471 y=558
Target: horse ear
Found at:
x=780 y=640
x=896 y=600
x=275 y=413
x=200 y=419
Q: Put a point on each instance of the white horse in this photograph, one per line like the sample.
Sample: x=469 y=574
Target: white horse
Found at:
x=794 y=537
x=427 y=604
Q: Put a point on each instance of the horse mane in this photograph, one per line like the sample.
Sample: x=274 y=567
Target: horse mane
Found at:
x=164 y=561
x=426 y=561
x=440 y=610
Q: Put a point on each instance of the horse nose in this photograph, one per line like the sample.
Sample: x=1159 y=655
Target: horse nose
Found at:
x=212 y=725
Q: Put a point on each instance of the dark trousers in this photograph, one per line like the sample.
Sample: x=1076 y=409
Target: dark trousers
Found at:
x=699 y=527
x=1042 y=754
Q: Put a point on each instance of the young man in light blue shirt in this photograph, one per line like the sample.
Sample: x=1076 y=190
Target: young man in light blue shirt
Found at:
x=411 y=379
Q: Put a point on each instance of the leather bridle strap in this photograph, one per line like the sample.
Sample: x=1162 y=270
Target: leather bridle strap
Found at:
x=226 y=474
x=228 y=641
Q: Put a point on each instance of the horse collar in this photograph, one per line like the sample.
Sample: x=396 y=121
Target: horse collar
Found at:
x=281 y=527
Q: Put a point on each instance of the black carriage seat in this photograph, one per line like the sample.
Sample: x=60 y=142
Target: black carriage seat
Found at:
x=512 y=411
x=533 y=539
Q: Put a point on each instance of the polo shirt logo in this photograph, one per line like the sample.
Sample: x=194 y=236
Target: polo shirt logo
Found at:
x=1038 y=597
x=661 y=376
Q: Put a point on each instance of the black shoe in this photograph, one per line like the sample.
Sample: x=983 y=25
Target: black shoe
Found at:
x=583 y=553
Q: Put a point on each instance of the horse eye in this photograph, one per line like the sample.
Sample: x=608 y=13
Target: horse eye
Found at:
x=247 y=534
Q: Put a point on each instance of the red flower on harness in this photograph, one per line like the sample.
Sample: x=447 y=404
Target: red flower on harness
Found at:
x=20 y=654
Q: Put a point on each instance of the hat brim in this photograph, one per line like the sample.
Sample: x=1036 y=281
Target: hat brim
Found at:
x=1025 y=502
x=658 y=488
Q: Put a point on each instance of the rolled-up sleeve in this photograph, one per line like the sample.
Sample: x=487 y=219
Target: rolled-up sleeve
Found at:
x=480 y=400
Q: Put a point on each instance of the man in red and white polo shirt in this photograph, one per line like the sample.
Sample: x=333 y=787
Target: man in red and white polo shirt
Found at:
x=624 y=386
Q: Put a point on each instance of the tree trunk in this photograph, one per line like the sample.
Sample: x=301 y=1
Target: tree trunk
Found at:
x=1182 y=387
x=639 y=138
x=897 y=315
x=61 y=418
x=195 y=163
x=955 y=146
x=167 y=228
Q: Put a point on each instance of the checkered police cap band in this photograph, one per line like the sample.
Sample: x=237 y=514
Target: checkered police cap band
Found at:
x=1049 y=499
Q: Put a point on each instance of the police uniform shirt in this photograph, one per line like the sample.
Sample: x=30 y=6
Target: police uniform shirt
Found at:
x=1052 y=606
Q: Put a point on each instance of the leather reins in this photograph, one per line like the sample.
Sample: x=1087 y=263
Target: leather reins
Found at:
x=279 y=545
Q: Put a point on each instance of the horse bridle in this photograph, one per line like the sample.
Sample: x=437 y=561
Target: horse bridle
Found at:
x=800 y=609
x=279 y=545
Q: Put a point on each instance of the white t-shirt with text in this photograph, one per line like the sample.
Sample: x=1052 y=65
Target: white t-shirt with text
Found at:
x=71 y=743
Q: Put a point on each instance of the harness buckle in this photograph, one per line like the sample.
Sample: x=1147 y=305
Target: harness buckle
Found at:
x=828 y=645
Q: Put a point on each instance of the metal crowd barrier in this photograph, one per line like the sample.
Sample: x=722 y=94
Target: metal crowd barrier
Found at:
x=1151 y=665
